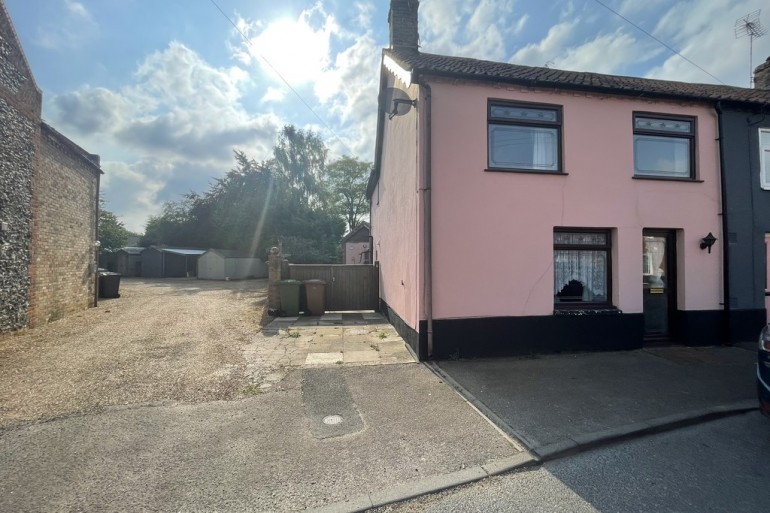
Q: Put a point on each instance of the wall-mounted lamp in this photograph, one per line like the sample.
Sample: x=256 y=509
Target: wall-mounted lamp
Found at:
x=708 y=241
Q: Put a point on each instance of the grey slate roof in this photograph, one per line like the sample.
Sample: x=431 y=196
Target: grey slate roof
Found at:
x=357 y=234
x=463 y=67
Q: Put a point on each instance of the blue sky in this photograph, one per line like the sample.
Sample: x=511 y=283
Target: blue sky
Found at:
x=164 y=90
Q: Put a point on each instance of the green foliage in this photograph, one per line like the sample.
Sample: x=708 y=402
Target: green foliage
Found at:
x=258 y=205
x=112 y=233
x=300 y=158
x=347 y=179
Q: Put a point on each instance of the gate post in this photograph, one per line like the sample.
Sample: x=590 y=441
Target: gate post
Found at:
x=274 y=264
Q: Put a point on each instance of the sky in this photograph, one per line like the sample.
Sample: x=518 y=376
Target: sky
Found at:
x=165 y=90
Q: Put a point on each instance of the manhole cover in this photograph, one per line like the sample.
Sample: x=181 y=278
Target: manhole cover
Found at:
x=331 y=420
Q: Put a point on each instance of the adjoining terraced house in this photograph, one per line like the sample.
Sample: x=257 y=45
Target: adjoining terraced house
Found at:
x=49 y=188
x=517 y=209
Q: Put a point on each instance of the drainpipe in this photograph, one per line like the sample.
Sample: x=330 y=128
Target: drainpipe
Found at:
x=96 y=248
x=725 y=233
x=428 y=253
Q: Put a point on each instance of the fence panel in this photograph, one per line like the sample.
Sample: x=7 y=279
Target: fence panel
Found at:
x=348 y=287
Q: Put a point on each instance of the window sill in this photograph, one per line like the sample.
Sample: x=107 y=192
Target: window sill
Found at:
x=666 y=179
x=586 y=310
x=525 y=171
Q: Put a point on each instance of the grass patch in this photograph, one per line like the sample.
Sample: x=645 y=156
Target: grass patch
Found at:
x=294 y=334
x=383 y=335
x=251 y=390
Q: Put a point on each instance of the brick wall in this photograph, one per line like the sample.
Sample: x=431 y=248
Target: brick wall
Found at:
x=48 y=199
x=65 y=191
x=20 y=104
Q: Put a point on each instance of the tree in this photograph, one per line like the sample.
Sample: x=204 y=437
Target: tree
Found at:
x=112 y=233
x=173 y=226
x=257 y=205
x=347 y=179
x=300 y=157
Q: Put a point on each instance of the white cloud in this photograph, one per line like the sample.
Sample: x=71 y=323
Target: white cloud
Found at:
x=168 y=132
x=298 y=49
x=274 y=94
x=344 y=79
x=547 y=50
x=348 y=89
x=521 y=24
x=454 y=27
x=704 y=33
x=365 y=13
x=74 y=27
x=607 y=53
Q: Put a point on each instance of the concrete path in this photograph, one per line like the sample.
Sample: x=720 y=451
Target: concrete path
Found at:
x=349 y=339
x=557 y=404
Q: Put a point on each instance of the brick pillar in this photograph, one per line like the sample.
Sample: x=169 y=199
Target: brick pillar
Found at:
x=274 y=263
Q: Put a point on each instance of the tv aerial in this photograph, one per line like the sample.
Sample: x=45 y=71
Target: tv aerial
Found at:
x=750 y=25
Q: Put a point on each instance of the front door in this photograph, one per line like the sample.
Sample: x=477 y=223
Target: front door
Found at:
x=659 y=282
x=767 y=277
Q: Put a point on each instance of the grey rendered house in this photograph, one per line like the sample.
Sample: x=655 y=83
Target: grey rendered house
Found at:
x=745 y=154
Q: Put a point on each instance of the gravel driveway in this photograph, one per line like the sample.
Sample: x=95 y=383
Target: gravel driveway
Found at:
x=163 y=340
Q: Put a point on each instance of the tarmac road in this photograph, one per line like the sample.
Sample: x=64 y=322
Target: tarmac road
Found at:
x=719 y=466
x=265 y=453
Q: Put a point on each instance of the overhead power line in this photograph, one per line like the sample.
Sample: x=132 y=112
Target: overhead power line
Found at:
x=673 y=50
x=283 y=79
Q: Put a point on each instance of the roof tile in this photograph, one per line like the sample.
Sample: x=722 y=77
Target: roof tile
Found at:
x=463 y=67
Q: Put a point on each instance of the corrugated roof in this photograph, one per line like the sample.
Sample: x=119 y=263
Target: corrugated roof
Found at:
x=132 y=250
x=182 y=251
x=233 y=253
x=463 y=67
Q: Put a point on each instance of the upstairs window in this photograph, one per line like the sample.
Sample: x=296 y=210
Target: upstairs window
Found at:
x=764 y=158
x=581 y=263
x=524 y=137
x=664 y=146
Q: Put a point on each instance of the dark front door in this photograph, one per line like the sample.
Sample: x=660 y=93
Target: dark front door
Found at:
x=659 y=280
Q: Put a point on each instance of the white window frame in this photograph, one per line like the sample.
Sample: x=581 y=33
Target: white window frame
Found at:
x=764 y=158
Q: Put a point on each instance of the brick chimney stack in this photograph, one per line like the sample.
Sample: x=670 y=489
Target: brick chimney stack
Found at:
x=762 y=75
x=402 y=19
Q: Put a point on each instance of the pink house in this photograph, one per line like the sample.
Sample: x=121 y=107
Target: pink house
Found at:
x=356 y=245
x=525 y=210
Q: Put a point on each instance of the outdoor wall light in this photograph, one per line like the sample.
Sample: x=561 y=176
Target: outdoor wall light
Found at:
x=708 y=241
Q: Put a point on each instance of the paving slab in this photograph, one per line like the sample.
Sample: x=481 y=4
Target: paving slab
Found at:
x=323 y=358
x=552 y=401
x=361 y=356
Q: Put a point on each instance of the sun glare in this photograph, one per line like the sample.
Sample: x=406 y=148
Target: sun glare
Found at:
x=293 y=48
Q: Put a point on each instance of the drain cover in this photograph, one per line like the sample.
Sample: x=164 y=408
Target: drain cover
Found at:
x=331 y=420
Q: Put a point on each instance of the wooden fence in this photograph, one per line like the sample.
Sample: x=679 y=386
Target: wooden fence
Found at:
x=348 y=286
